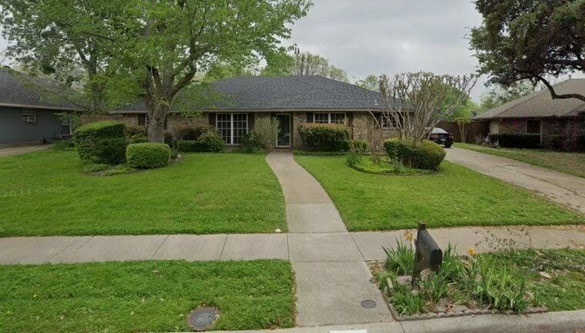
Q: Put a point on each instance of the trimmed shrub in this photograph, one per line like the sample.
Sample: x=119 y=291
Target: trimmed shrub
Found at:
x=63 y=144
x=132 y=130
x=253 y=143
x=529 y=141
x=102 y=142
x=169 y=139
x=325 y=137
x=428 y=155
x=191 y=146
x=358 y=146
x=190 y=133
x=208 y=142
x=148 y=155
x=212 y=140
x=136 y=134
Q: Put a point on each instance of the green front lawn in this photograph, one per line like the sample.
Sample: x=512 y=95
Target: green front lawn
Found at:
x=144 y=296
x=456 y=196
x=571 y=163
x=46 y=194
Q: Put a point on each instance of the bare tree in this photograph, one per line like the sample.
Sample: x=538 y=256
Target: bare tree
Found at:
x=417 y=102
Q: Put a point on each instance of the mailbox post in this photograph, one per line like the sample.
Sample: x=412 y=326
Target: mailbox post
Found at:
x=427 y=253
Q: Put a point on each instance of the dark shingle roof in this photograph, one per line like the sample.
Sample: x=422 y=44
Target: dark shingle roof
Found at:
x=540 y=104
x=288 y=93
x=295 y=93
x=18 y=89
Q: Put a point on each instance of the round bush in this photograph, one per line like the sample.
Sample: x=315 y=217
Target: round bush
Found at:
x=428 y=155
x=101 y=142
x=148 y=155
x=212 y=140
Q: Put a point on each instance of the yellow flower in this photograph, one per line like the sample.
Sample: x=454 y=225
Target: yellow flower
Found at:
x=472 y=252
x=409 y=236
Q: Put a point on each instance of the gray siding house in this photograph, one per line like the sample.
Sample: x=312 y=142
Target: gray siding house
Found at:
x=25 y=117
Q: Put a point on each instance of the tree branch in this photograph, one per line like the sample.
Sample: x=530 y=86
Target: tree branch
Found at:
x=554 y=94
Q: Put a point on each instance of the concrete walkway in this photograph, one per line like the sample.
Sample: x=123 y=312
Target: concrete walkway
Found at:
x=82 y=249
x=559 y=187
x=332 y=276
x=13 y=151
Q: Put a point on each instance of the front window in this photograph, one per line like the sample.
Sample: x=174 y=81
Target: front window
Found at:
x=143 y=120
x=232 y=127
x=329 y=118
x=533 y=127
x=67 y=124
x=29 y=117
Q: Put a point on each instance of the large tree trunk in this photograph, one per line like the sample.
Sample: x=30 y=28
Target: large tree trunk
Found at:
x=156 y=121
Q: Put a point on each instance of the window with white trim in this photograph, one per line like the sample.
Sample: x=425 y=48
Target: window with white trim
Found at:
x=232 y=127
x=67 y=124
x=329 y=118
x=29 y=117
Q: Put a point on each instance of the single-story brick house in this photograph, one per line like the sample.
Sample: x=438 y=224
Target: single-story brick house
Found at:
x=25 y=117
x=538 y=113
x=291 y=100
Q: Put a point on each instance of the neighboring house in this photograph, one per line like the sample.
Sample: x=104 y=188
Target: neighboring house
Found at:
x=292 y=100
x=554 y=120
x=25 y=119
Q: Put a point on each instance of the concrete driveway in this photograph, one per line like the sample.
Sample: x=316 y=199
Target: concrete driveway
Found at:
x=13 y=151
x=559 y=187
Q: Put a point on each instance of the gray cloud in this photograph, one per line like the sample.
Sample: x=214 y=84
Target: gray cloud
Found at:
x=373 y=36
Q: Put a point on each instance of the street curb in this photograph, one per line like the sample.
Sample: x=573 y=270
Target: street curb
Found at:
x=550 y=322
x=553 y=322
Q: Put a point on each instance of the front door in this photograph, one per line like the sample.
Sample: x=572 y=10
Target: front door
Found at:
x=283 y=138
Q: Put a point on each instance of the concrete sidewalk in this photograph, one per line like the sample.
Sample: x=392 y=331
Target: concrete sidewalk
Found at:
x=13 y=151
x=82 y=249
x=559 y=187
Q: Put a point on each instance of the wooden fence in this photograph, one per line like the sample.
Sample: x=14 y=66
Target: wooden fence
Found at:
x=473 y=130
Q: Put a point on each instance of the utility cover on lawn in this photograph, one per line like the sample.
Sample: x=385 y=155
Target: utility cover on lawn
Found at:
x=203 y=318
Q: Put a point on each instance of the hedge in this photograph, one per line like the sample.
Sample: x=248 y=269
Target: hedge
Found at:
x=516 y=140
x=428 y=155
x=192 y=133
x=101 y=142
x=325 y=137
x=148 y=155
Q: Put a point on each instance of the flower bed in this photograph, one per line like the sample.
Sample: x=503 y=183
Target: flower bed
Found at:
x=503 y=282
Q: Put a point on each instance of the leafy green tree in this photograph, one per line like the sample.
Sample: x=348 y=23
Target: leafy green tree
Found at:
x=180 y=39
x=303 y=64
x=531 y=40
x=500 y=95
x=371 y=82
x=66 y=40
x=152 y=49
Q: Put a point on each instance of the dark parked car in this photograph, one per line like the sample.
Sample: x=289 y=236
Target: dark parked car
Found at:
x=441 y=137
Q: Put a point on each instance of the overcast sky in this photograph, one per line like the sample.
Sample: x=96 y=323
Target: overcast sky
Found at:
x=389 y=36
